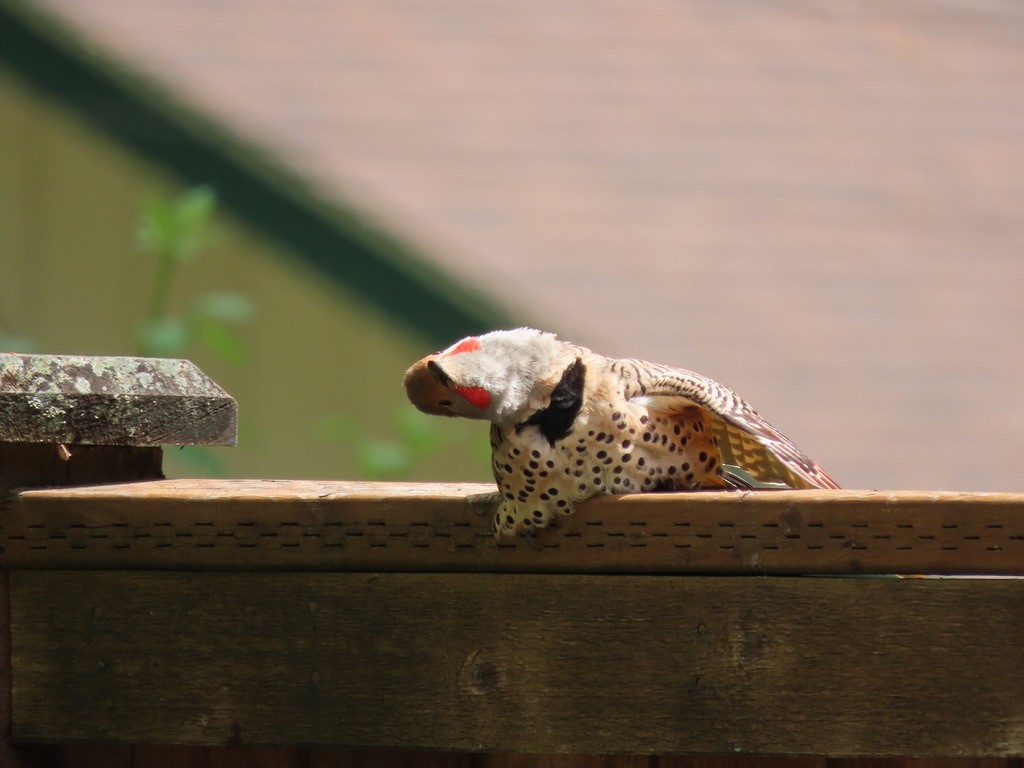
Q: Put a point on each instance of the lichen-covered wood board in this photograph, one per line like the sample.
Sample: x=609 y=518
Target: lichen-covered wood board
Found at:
x=521 y=662
x=128 y=401
x=305 y=525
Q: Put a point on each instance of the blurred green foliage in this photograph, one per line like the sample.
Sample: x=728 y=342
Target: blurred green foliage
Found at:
x=10 y=339
x=415 y=436
x=12 y=342
x=176 y=232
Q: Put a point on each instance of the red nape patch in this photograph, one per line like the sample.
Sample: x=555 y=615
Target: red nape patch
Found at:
x=472 y=344
x=477 y=396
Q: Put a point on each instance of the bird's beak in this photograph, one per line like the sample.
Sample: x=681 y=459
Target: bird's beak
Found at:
x=425 y=384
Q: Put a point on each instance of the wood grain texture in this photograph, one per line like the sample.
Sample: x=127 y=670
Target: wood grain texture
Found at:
x=177 y=756
x=38 y=464
x=293 y=525
x=27 y=465
x=522 y=662
x=112 y=401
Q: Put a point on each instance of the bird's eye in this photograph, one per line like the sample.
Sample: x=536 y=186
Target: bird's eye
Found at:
x=445 y=403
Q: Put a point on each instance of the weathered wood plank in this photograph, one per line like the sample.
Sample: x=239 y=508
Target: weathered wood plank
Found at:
x=25 y=465
x=180 y=756
x=112 y=401
x=525 y=760
x=251 y=524
x=522 y=662
x=890 y=762
x=102 y=756
x=37 y=464
x=177 y=756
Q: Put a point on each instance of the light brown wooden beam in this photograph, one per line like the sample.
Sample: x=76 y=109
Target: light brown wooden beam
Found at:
x=521 y=662
x=345 y=526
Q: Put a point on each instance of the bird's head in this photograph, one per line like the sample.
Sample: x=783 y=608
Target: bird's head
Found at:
x=498 y=376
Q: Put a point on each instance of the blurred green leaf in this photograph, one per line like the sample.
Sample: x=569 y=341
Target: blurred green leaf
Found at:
x=221 y=339
x=166 y=337
x=155 y=226
x=380 y=459
x=201 y=460
x=193 y=214
x=196 y=207
x=177 y=229
x=483 y=452
x=417 y=436
x=336 y=429
x=15 y=343
x=418 y=431
x=231 y=307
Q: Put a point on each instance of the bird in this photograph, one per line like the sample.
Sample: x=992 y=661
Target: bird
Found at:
x=568 y=424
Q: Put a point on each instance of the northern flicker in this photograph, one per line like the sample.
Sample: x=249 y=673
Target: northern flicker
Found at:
x=568 y=424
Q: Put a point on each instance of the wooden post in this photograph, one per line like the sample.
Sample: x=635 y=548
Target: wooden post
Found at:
x=67 y=421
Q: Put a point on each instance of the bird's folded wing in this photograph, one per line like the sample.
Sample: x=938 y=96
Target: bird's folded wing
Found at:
x=745 y=438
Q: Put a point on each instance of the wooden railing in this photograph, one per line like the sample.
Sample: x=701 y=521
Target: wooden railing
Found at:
x=311 y=619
